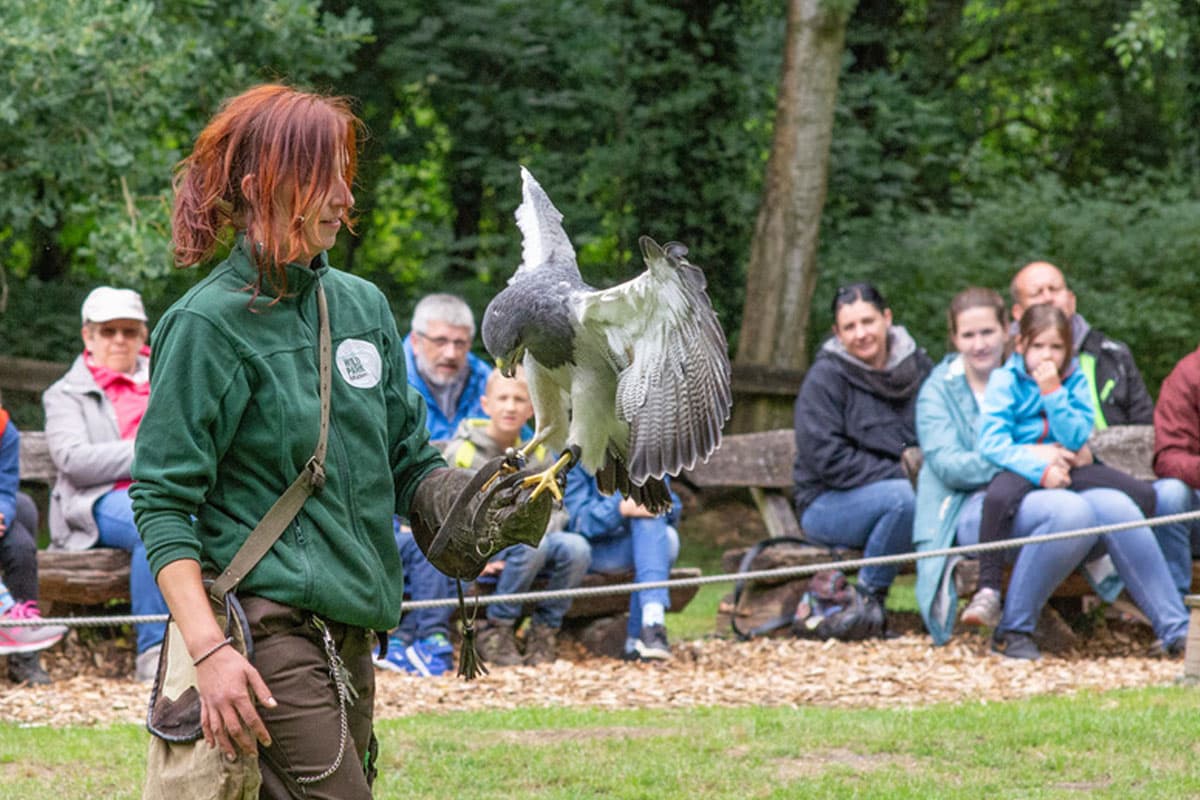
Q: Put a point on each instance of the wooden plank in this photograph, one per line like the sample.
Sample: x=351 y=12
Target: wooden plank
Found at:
x=28 y=375
x=777 y=512
x=36 y=464
x=83 y=577
x=761 y=379
x=761 y=459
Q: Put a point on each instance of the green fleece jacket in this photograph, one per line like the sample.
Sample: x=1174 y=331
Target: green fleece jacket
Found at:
x=233 y=417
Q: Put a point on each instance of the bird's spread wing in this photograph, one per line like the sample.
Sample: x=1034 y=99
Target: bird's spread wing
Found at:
x=542 y=236
x=664 y=336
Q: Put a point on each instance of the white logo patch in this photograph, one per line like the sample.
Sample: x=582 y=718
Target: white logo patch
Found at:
x=359 y=363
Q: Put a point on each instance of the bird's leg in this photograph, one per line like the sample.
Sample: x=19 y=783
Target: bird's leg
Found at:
x=514 y=461
x=554 y=477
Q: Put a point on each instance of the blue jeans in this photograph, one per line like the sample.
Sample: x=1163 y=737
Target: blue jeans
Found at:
x=18 y=551
x=563 y=557
x=1179 y=541
x=114 y=516
x=1040 y=568
x=422 y=581
x=876 y=518
x=648 y=546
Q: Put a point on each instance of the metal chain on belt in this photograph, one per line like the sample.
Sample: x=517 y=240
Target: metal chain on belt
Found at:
x=343 y=682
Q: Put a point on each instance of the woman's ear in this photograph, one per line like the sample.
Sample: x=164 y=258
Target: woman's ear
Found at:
x=887 y=317
x=248 y=187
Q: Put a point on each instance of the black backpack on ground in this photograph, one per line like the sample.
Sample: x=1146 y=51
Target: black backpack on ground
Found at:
x=823 y=606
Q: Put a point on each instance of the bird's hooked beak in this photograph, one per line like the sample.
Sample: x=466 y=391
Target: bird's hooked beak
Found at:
x=508 y=368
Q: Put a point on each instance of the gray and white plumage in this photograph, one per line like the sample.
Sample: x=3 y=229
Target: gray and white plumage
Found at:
x=637 y=375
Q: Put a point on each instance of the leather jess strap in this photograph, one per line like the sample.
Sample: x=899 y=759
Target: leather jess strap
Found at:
x=311 y=478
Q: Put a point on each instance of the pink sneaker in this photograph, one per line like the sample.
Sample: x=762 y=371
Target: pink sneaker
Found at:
x=26 y=639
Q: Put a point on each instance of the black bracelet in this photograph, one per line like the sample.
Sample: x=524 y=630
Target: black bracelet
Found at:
x=211 y=650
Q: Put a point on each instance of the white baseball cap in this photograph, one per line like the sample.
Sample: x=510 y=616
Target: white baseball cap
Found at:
x=106 y=303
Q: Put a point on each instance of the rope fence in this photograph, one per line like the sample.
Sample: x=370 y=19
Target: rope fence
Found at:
x=702 y=580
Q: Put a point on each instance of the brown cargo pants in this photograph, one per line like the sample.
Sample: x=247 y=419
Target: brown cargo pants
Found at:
x=310 y=733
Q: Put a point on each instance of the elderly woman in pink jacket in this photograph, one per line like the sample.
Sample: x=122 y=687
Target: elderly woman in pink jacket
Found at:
x=92 y=417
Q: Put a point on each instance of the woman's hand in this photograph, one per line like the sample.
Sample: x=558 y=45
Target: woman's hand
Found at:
x=1052 y=454
x=1056 y=476
x=631 y=509
x=1081 y=458
x=229 y=688
x=227 y=684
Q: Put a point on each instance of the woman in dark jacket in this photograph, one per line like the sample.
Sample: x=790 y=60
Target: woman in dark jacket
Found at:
x=854 y=417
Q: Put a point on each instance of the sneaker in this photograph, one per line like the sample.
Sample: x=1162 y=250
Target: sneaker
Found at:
x=1014 y=644
x=395 y=660
x=651 y=644
x=984 y=609
x=146 y=668
x=431 y=656
x=541 y=644
x=27 y=639
x=26 y=668
x=1173 y=649
x=497 y=645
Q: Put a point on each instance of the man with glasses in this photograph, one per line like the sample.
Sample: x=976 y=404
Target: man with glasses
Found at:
x=441 y=365
x=452 y=380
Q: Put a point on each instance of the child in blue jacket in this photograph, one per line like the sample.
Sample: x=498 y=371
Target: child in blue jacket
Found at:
x=1039 y=397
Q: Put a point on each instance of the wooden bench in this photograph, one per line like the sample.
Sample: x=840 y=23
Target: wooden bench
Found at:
x=82 y=577
x=762 y=462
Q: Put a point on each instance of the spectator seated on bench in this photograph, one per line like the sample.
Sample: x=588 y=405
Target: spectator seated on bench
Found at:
x=853 y=420
x=450 y=378
x=1177 y=464
x=19 y=568
x=949 y=502
x=92 y=417
x=564 y=556
x=624 y=535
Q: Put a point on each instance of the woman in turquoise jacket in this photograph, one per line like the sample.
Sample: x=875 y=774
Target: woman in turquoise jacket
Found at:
x=949 y=501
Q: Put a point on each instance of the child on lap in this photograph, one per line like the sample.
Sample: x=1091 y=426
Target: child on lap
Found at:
x=1036 y=413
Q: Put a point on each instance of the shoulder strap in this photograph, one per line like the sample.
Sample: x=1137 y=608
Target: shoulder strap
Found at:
x=739 y=587
x=310 y=479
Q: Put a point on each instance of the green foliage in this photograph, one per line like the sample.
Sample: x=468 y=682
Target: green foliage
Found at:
x=1127 y=246
x=638 y=118
x=100 y=98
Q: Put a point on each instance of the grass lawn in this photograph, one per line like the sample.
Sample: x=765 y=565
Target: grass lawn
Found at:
x=1120 y=744
x=1124 y=744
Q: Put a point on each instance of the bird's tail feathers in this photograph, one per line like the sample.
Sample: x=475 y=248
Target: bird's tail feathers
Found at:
x=613 y=477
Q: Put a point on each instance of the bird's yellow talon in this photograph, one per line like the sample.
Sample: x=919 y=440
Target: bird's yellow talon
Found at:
x=514 y=461
x=548 y=479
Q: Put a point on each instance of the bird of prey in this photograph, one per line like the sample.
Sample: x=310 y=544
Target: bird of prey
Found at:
x=633 y=380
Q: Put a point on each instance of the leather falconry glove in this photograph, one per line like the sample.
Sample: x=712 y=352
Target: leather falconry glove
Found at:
x=459 y=525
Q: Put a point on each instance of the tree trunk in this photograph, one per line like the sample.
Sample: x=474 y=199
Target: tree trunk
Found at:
x=782 y=271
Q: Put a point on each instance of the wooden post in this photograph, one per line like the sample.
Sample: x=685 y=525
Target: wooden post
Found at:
x=1191 y=658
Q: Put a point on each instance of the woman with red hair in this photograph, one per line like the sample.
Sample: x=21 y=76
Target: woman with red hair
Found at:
x=233 y=419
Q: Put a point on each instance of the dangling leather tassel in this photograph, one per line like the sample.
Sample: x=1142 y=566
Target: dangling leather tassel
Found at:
x=470 y=665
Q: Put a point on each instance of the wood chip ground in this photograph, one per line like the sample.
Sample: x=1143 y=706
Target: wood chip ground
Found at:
x=90 y=687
